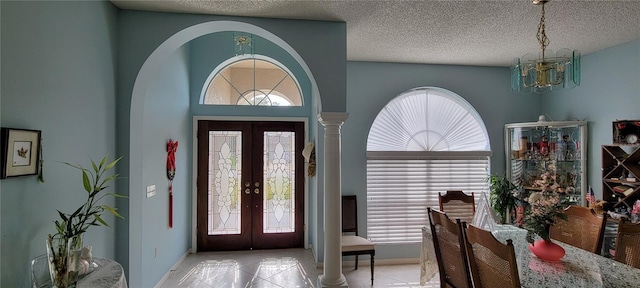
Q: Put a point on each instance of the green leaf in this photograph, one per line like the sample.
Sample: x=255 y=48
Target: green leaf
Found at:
x=97 y=217
x=77 y=212
x=60 y=227
x=104 y=160
x=110 y=178
x=112 y=211
x=94 y=180
x=72 y=165
x=85 y=181
x=93 y=164
x=118 y=195
x=113 y=163
x=63 y=216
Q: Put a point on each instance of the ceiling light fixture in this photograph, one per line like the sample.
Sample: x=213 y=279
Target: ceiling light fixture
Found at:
x=543 y=73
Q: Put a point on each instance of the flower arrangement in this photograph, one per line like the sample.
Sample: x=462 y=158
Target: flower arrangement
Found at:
x=546 y=206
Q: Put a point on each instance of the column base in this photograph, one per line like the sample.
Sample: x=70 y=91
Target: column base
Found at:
x=341 y=283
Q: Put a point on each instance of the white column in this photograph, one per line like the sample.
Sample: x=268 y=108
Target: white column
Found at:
x=332 y=276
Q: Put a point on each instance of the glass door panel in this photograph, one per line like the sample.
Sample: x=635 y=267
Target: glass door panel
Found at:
x=279 y=178
x=225 y=175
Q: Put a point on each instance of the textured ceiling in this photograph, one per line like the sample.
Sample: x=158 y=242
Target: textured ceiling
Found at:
x=484 y=33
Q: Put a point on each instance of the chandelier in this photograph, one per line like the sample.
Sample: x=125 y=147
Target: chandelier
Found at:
x=547 y=71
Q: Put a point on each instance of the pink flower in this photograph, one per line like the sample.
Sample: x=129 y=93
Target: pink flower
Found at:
x=636 y=207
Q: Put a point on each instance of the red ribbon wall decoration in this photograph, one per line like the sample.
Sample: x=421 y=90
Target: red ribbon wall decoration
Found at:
x=171 y=173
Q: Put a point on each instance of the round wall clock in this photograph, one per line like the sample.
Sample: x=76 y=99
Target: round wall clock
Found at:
x=631 y=138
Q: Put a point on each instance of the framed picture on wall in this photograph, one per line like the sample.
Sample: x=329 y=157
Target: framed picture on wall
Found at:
x=20 y=152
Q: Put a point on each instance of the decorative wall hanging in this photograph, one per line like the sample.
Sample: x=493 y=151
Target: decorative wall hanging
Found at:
x=20 y=152
x=41 y=164
x=309 y=154
x=171 y=173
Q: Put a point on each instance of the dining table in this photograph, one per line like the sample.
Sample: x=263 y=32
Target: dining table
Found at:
x=108 y=274
x=578 y=267
x=102 y=273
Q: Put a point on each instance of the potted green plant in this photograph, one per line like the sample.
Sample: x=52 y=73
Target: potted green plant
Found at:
x=502 y=195
x=64 y=247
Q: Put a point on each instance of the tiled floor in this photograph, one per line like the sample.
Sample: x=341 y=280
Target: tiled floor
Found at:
x=280 y=268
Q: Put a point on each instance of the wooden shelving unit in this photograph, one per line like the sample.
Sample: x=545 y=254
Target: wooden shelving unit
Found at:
x=621 y=174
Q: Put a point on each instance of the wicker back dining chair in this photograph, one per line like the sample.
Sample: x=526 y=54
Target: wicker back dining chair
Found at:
x=450 y=250
x=628 y=244
x=583 y=229
x=457 y=205
x=352 y=244
x=492 y=263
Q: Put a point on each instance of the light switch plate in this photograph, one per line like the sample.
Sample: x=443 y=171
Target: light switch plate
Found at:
x=151 y=190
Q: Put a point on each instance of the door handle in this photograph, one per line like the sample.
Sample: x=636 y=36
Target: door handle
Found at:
x=257 y=184
x=247 y=191
x=257 y=191
x=247 y=184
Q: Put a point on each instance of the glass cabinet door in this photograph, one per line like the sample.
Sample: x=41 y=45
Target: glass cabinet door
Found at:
x=548 y=152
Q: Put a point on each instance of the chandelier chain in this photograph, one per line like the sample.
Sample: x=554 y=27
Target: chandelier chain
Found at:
x=541 y=35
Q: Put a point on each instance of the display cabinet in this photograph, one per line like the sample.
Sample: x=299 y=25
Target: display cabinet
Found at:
x=548 y=151
x=620 y=172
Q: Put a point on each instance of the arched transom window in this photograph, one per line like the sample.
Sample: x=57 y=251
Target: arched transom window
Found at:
x=424 y=141
x=252 y=81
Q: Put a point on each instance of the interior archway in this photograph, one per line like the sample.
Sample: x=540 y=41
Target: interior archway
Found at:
x=145 y=76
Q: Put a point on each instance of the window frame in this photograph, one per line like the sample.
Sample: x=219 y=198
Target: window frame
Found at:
x=225 y=64
x=409 y=170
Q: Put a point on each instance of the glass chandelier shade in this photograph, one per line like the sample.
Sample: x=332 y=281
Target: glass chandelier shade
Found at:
x=546 y=71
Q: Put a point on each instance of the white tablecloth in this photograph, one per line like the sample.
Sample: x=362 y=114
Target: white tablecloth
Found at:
x=109 y=274
x=428 y=262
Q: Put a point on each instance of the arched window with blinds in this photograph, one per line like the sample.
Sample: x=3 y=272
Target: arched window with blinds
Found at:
x=424 y=141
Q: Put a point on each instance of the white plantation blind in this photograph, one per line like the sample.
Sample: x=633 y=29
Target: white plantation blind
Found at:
x=425 y=141
x=428 y=119
x=399 y=192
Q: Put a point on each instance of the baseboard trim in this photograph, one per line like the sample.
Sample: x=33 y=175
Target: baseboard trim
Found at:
x=174 y=267
x=366 y=262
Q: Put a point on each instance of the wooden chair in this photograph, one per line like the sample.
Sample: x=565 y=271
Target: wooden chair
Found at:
x=450 y=250
x=458 y=205
x=628 y=244
x=352 y=244
x=584 y=229
x=492 y=263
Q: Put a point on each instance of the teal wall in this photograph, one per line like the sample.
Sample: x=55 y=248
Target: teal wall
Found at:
x=70 y=69
x=209 y=51
x=169 y=117
x=610 y=91
x=145 y=42
x=372 y=85
x=58 y=76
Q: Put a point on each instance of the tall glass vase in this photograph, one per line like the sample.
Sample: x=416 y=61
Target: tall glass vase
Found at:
x=64 y=260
